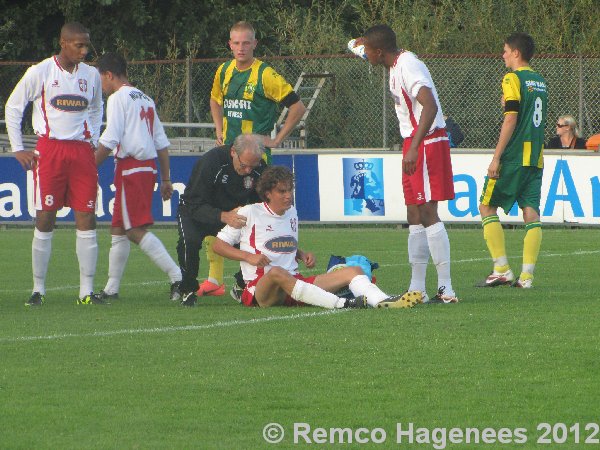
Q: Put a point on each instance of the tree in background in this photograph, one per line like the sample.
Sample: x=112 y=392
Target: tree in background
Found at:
x=145 y=29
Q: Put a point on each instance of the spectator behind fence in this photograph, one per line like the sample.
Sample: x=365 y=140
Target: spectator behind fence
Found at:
x=454 y=132
x=567 y=134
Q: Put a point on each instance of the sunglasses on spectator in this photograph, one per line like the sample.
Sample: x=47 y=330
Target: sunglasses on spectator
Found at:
x=562 y=125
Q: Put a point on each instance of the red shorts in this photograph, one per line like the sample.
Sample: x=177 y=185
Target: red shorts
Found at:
x=432 y=180
x=65 y=175
x=248 y=294
x=134 y=183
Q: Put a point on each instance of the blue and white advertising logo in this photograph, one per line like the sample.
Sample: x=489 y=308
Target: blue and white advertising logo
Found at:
x=363 y=187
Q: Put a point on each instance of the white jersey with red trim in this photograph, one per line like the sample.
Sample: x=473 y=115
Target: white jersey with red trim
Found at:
x=132 y=125
x=407 y=76
x=265 y=233
x=66 y=106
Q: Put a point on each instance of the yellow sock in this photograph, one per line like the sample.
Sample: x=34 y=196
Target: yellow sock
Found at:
x=494 y=238
x=531 y=248
x=215 y=262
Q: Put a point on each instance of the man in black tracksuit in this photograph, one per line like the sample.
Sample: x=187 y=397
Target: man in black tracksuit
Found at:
x=222 y=180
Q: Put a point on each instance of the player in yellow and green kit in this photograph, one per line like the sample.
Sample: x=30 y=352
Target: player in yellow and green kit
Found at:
x=245 y=98
x=515 y=173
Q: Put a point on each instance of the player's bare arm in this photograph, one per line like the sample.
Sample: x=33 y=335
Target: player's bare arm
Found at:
x=101 y=154
x=295 y=113
x=427 y=100
x=508 y=127
x=228 y=251
x=166 y=187
x=216 y=111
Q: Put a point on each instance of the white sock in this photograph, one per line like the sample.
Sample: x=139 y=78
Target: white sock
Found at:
x=439 y=246
x=314 y=295
x=213 y=280
x=41 y=249
x=87 y=253
x=360 y=285
x=157 y=252
x=117 y=260
x=418 y=257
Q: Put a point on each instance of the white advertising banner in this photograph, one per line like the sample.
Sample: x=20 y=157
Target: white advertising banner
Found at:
x=368 y=188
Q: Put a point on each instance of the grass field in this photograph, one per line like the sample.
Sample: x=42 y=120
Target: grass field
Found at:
x=146 y=373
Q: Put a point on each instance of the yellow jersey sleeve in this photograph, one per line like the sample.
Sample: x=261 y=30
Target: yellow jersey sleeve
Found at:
x=216 y=92
x=276 y=88
x=511 y=89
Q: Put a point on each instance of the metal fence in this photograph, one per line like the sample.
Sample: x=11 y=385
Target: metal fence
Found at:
x=354 y=108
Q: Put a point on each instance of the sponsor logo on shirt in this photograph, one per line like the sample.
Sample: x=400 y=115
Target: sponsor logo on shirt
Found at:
x=234 y=103
x=282 y=244
x=69 y=103
x=54 y=83
x=534 y=85
x=269 y=228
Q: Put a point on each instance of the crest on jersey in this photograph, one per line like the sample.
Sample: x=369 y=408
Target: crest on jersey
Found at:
x=82 y=85
x=69 y=103
x=250 y=88
x=248 y=182
x=282 y=244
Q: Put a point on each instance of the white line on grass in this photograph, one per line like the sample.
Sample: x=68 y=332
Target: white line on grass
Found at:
x=207 y=326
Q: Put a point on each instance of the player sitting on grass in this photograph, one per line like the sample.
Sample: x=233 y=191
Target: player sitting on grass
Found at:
x=269 y=256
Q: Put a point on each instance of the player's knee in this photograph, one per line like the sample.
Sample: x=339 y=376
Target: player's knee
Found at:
x=353 y=271
x=278 y=275
x=136 y=234
x=486 y=210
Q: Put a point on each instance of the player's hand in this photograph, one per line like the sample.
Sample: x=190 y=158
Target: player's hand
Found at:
x=233 y=219
x=166 y=190
x=409 y=162
x=258 y=260
x=27 y=159
x=494 y=169
x=308 y=258
x=270 y=143
x=219 y=139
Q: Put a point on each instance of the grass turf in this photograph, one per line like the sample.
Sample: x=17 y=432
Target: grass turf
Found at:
x=146 y=373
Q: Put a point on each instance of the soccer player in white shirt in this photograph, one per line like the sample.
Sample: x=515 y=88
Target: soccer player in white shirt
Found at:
x=426 y=166
x=269 y=256
x=67 y=115
x=135 y=134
